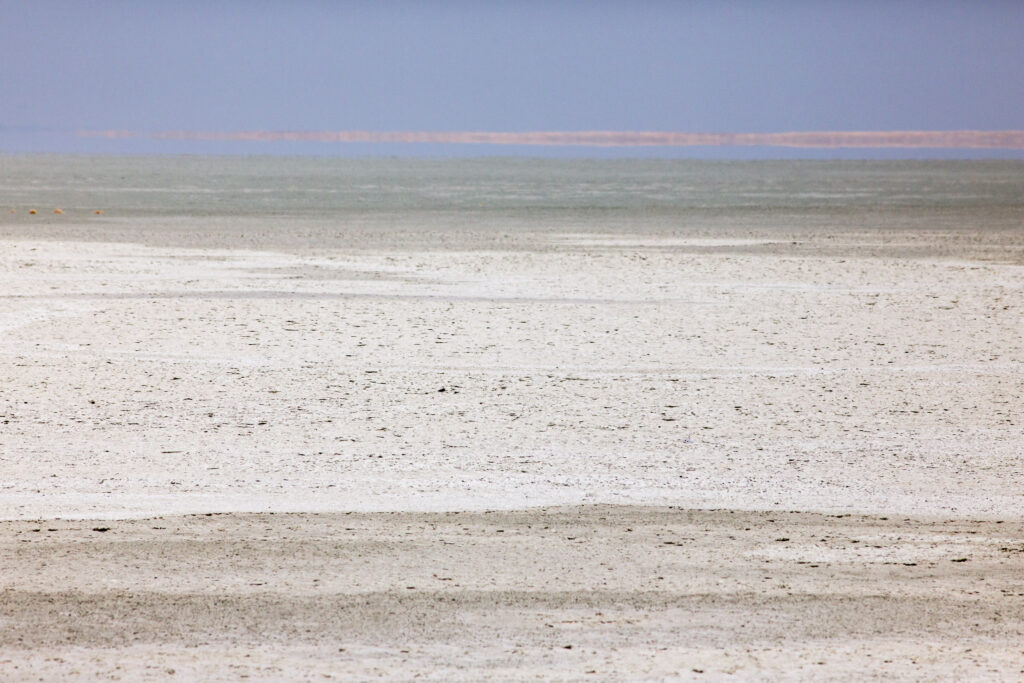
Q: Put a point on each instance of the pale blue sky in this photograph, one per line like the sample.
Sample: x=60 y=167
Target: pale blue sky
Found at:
x=500 y=66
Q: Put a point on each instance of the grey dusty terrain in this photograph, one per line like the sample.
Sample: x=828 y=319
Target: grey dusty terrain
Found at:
x=596 y=593
x=577 y=438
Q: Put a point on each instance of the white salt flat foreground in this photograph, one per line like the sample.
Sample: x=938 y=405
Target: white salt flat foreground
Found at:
x=143 y=381
x=384 y=426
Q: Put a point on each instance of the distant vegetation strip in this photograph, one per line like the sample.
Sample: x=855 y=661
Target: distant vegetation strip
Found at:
x=977 y=139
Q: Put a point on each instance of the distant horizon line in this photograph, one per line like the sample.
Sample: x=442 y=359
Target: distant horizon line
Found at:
x=951 y=139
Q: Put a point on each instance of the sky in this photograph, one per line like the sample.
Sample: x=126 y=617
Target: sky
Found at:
x=227 y=67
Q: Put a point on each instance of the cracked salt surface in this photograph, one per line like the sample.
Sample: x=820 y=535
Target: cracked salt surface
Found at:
x=191 y=380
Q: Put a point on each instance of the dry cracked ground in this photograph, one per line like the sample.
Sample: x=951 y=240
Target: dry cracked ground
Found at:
x=560 y=455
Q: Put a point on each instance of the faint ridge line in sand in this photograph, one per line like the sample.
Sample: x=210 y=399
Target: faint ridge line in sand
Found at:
x=285 y=294
x=969 y=139
x=566 y=373
x=579 y=373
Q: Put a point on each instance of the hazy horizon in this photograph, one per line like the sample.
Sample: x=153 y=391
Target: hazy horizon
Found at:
x=231 y=68
x=318 y=144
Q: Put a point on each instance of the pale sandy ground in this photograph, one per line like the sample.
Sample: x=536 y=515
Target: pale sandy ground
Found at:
x=606 y=374
x=594 y=593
